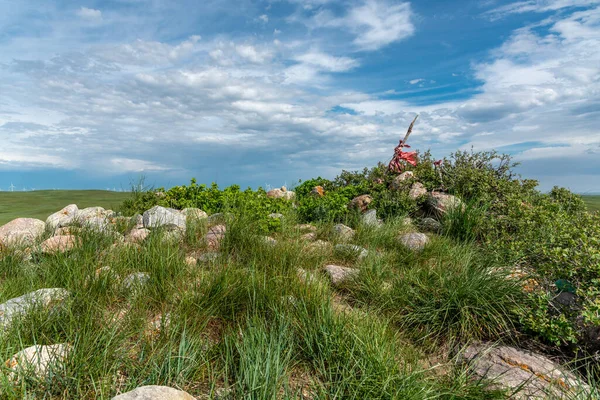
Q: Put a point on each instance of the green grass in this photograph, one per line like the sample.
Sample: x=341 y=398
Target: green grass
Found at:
x=40 y=204
x=592 y=201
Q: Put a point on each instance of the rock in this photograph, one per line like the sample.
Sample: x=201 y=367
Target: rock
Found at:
x=172 y=235
x=407 y=221
x=537 y=376
x=138 y=221
x=339 y=275
x=105 y=272
x=417 y=190
x=208 y=257
x=59 y=244
x=97 y=224
x=214 y=236
x=160 y=194
x=194 y=214
x=135 y=281
x=154 y=393
x=306 y=276
x=306 y=227
x=431 y=225
x=41 y=361
x=218 y=218
x=88 y=213
x=310 y=236
x=282 y=193
x=414 y=240
x=191 y=261
x=137 y=235
x=20 y=306
x=275 y=215
x=269 y=241
x=159 y=216
x=61 y=218
x=351 y=250
x=370 y=219
x=21 y=231
x=566 y=299
x=360 y=203
x=319 y=245
x=343 y=231
x=67 y=230
x=440 y=203
x=318 y=191
x=398 y=182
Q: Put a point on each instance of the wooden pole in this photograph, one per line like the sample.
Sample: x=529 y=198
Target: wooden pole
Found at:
x=409 y=129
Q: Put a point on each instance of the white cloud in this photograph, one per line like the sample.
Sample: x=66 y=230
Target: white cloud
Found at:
x=415 y=81
x=539 y=6
x=251 y=54
x=89 y=13
x=327 y=62
x=264 y=18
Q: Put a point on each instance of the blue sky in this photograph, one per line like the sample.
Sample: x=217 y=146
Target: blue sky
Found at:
x=94 y=94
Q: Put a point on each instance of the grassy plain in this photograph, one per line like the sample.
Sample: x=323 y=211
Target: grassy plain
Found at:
x=593 y=202
x=41 y=203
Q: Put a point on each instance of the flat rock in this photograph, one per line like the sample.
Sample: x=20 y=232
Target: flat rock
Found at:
x=351 y=250
x=159 y=216
x=194 y=213
x=417 y=190
x=414 y=241
x=137 y=235
x=343 y=231
x=61 y=218
x=338 y=274
x=440 y=203
x=20 y=306
x=510 y=368
x=59 y=244
x=38 y=360
x=154 y=393
x=21 y=231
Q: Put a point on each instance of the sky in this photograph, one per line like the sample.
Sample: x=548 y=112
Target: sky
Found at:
x=96 y=94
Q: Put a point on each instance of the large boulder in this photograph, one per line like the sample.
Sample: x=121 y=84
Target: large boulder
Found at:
x=159 y=216
x=40 y=361
x=417 y=190
x=154 y=393
x=343 y=232
x=61 y=218
x=339 y=275
x=59 y=244
x=414 y=240
x=361 y=203
x=195 y=214
x=21 y=231
x=88 y=213
x=20 y=306
x=441 y=203
x=531 y=375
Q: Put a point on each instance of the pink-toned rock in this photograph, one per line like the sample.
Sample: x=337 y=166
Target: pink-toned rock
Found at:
x=63 y=217
x=282 y=193
x=137 y=235
x=59 y=244
x=21 y=231
x=398 y=182
x=442 y=202
x=214 y=236
x=417 y=190
x=339 y=275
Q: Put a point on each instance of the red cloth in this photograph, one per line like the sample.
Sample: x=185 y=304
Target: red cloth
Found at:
x=399 y=156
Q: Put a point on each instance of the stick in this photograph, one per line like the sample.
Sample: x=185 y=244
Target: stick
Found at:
x=409 y=129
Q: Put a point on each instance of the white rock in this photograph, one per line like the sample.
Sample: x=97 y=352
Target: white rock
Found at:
x=414 y=240
x=61 y=218
x=38 y=360
x=397 y=182
x=154 y=393
x=159 y=216
x=194 y=213
x=21 y=231
x=20 y=306
x=137 y=235
x=88 y=213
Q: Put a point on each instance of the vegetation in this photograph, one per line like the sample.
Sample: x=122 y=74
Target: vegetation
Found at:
x=41 y=203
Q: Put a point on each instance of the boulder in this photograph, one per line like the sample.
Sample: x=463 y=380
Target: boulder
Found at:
x=306 y=227
x=414 y=240
x=59 y=244
x=282 y=193
x=370 y=219
x=360 y=203
x=417 y=190
x=21 y=231
x=319 y=245
x=310 y=236
x=343 y=231
x=194 y=213
x=90 y=212
x=137 y=235
x=41 y=361
x=339 y=275
x=531 y=375
x=138 y=221
x=431 y=225
x=159 y=216
x=209 y=257
x=97 y=224
x=214 y=236
x=20 y=306
x=154 y=393
x=440 y=203
x=61 y=218
x=398 y=182
x=351 y=250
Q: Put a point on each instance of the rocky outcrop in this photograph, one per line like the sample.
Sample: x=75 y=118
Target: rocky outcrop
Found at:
x=61 y=218
x=158 y=216
x=20 y=306
x=21 y=232
x=414 y=240
x=154 y=393
x=339 y=275
x=530 y=375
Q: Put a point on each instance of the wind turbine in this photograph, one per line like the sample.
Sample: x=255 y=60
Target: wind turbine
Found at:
x=12 y=187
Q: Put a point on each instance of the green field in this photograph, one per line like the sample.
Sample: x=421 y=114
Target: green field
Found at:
x=593 y=202
x=40 y=204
